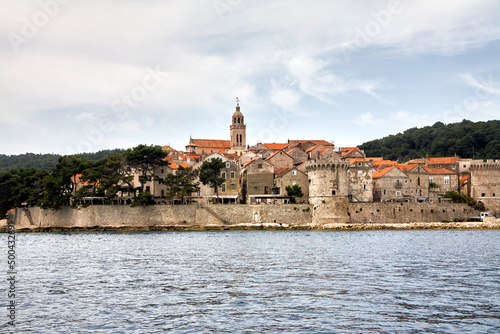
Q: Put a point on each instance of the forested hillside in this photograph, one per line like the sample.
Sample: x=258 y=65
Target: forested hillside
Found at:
x=467 y=139
x=45 y=161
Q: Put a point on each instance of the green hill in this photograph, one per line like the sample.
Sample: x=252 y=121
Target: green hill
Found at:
x=479 y=140
x=45 y=161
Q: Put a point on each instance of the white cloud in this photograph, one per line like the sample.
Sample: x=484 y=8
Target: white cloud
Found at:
x=279 y=54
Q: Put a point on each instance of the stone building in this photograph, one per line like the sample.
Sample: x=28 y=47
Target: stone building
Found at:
x=485 y=183
x=418 y=181
x=279 y=160
x=314 y=152
x=389 y=184
x=290 y=177
x=258 y=177
x=298 y=155
x=328 y=180
x=445 y=179
x=360 y=182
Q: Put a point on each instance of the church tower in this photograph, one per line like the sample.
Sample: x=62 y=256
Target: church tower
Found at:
x=238 y=131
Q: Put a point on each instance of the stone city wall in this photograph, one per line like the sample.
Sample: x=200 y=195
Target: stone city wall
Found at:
x=219 y=216
x=403 y=212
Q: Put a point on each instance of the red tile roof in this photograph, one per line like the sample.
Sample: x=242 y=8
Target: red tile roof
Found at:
x=382 y=172
x=213 y=143
x=448 y=160
x=384 y=162
x=272 y=155
x=282 y=171
x=174 y=165
x=317 y=142
x=439 y=171
x=249 y=162
x=405 y=168
x=312 y=148
x=275 y=146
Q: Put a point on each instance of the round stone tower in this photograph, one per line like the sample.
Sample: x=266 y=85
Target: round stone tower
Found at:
x=328 y=179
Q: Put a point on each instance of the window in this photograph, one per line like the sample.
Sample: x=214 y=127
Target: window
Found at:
x=208 y=191
x=360 y=173
x=418 y=181
x=294 y=172
x=223 y=187
x=148 y=188
x=333 y=192
x=162 y=171
x=398 y=193
x=228 y=165
x=438 y=166
x=294 y=182
x=259 y=166
x=232 y=186
x=430 y=179
x=223 y=175
x=364 y=186
x=483 y=194
x=446 y=180
x=232 y=175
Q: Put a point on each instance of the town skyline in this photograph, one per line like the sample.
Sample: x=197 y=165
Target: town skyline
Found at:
x=76 y=82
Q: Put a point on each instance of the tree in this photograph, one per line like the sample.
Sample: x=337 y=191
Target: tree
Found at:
x=144 y=158
x=20 y=186
x=182 y=184
x=210 y=174
x=295 y=191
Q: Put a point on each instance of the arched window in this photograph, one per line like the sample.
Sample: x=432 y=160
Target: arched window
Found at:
x=418 y=181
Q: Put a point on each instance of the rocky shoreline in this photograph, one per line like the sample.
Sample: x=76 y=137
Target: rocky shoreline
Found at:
x=493 y=224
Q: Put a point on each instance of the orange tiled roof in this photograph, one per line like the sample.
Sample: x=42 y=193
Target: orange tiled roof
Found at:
x=350 y=151
x=174 y=165
x=312 y=148
x=249 y=162
x=275 y=146
x=213 y=143
x=448 y=160
x=382 y=172
x=439 y=171
x=282 y=171
x=317 y=142
x=385 y=162
x=374 y=159
x=405 y=168
x=272 y=155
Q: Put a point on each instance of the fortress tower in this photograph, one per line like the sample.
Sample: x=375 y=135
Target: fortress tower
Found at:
x=238 y=131
x=485 y=185
x=328 y=190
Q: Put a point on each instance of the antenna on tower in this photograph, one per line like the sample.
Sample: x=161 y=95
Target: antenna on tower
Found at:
x=237 y=101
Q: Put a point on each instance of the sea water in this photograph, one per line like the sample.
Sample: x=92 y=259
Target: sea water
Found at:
x=402 y=281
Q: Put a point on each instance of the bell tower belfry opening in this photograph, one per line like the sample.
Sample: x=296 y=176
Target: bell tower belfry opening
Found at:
x=238 y=131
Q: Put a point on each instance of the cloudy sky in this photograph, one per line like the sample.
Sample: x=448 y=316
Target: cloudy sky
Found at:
x=81 y=76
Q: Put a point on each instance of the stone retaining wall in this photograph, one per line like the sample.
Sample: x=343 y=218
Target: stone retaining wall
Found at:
x=287 y=215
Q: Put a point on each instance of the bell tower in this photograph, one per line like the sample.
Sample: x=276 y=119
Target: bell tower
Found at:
x=238 y=131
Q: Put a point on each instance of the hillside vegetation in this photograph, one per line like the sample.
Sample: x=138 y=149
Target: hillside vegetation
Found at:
x=46 y=161
x=479 y=140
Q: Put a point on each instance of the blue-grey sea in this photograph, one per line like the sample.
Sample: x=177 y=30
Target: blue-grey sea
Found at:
x=388 y=281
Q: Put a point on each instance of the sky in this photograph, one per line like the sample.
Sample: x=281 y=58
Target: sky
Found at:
x=82 y=76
